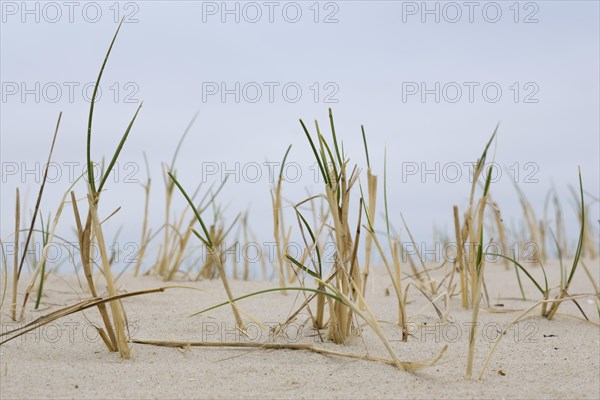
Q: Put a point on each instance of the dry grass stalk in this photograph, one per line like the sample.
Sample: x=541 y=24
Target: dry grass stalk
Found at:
x=75 y=308
x=468 y=236
x=409 y=366
x=246 y=257
x=394 y=271
x=162 y=263
x=4 y=278
x=422 y=281
x=179 y=247
x=115 y=306
x=164 y=255
x=307 y=254
x=503 y=242
x=347 y=278
x=33 y=219
x=464 y=295
x=589 y=249
x=13 y=303
x=281 y=238
x=146 y=232
x=85 y=246
x=39 y=197
x=48 y=242
x=477 y=283
x=578 y=252
x=238 y=319
x=175 y=250
x=371 y=207
x=347 y=281
x=207 y=239
x=344 y=258
x=217 y=253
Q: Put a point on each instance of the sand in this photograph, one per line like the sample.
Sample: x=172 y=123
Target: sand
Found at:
x=536 y=359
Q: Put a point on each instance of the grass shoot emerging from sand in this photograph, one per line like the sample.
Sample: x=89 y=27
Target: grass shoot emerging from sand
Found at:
x=333 y=290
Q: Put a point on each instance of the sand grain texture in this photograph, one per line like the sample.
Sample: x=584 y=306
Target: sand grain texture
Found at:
x=539 y=358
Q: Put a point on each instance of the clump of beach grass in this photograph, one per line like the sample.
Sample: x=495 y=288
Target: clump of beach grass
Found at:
x=213 y=249
x=91 y=231
x=339 y=290
x=471 y=260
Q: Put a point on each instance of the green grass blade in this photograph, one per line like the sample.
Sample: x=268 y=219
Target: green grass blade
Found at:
x=207 y=240
x=314 y=149
x=322 y=292
x=312 y=236
x=516 y=263
x=385 y=202
x=325 y=147
x=581 y=233
x=45 y=233
x=480 y=250
x=328 y=149
x=322 y=147
x=487 y=182
x=545 y=276
x=91 y=113
x=520 y=284
x=206 y=243
x=118 y=150
x=362 y=128
x=487 y=146
x=335 y=142
x=480 y=245
x=302 y=267
x=285 y=156
x=364 y=206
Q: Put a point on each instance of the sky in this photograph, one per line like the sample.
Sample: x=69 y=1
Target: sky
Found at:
x=429 y=81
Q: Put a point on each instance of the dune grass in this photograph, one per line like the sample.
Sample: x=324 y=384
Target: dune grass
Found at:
x=280 y=234
x=334 y=291
x=214 y=250
x=337 y=291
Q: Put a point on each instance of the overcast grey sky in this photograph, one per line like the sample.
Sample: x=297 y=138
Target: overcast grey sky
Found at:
x=428 y=80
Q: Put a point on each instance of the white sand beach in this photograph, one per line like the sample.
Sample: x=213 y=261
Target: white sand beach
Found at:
x=537 y=358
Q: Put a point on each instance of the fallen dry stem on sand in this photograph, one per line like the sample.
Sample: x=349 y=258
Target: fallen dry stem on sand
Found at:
x=338 y=286
x=408 y=366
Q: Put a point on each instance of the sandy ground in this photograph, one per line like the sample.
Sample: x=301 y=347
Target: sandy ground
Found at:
x=536 y=359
